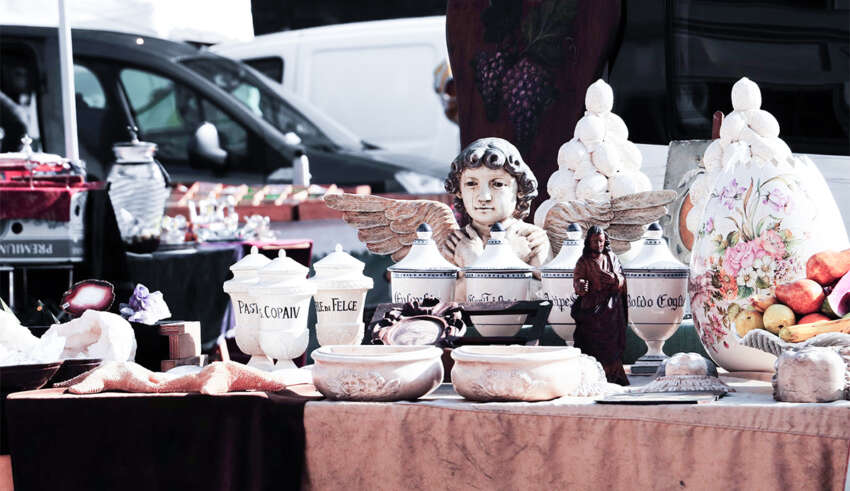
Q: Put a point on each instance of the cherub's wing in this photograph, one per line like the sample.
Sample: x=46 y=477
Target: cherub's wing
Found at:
x=624 y=219
x=388 y=226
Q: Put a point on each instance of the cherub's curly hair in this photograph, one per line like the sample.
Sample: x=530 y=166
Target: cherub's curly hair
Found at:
x=495 y=153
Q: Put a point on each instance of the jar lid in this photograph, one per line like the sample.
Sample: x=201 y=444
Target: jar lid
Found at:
x=241 y=285
x=340 y=271
x=570 y=252
x=251 y=262
x=283 y=268
x=655 y=254
x=498 y=254
x=339 y=261
x=423 y=254
x=134 y=151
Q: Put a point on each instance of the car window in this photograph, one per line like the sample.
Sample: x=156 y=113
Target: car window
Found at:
x=271 y=67
x=233 y=137
x=166 y=112
x=19 y=97
x=238 y=81
x=88 y=88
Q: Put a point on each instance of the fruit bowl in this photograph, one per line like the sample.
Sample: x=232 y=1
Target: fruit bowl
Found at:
x=771 y=343
x=17 y=378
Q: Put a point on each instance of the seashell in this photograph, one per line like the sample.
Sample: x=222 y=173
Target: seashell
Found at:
x=759 y=146
x=590 y=129
x=781 y=150
x=686 y=383
x=763 y=123
x=810 y=374
x=594 y=188
x=585 y=169
x=542 y=211
x=630 y=155
x=712 y=159
x=746 y=95
x=736 y=153
x=599 y=97
x=562 y=185
x=622 y=184
x=615 y=128
x=688 y=364
x=606 y=158
x=732 y=126
x=570 y=154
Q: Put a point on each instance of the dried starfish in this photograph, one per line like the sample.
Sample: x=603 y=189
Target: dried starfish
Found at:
x=114 y=375
x=225 y=376
x=215 y=378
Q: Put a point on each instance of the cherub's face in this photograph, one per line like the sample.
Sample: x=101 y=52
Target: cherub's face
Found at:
x=489 y=195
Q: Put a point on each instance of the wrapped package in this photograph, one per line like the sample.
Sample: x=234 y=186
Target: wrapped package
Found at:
x=97 y=334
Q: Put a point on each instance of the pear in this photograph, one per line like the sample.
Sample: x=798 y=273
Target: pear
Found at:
x=778 y=316
x=747 y=320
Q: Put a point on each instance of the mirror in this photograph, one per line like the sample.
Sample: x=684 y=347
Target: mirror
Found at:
x=205 y=148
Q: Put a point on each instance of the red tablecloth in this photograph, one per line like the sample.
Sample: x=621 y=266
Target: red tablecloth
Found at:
x=39 y=202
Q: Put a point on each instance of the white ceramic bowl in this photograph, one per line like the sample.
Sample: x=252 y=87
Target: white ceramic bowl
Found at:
x=377 y=372
x=516 y=373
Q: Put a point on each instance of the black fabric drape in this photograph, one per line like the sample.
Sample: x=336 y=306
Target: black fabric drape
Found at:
x=166 y=442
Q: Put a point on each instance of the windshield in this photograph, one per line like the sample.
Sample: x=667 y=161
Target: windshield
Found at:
x=258 y=95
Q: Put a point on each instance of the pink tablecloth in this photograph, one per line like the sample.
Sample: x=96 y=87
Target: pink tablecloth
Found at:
x=744 y=441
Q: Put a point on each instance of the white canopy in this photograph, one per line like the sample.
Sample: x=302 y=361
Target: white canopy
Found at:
x=204 y=21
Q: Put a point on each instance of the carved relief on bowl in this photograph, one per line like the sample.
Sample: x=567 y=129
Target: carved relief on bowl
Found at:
x=501 y=384
x=352 y=384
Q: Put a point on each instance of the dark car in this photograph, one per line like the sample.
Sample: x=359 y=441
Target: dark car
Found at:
x=169 y=90
x=679 y=59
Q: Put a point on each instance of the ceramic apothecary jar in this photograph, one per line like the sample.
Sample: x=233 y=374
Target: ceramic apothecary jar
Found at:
x=423 y=271
x=498 y=275
x=241 y=290
x=658 y=289
x=557 y=276
x=340 y=294
x=283 y=298
x=762 y=212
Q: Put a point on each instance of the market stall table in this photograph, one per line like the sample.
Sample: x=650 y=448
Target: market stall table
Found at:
x=745 y=440
x=253 y=440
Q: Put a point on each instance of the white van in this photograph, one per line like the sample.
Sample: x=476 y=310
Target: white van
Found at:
x=376 y=78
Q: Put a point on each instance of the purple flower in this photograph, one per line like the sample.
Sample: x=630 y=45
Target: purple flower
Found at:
x=709 y=225
x=778 y=200
x=731 y=193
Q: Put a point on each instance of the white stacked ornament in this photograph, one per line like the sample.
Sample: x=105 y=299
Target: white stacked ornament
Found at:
x=599 y=163
x=748 y=135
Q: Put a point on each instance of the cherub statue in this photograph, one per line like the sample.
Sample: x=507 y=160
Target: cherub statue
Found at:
x=491 y=184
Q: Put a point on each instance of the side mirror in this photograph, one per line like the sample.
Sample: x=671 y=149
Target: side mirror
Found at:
x=205 y=148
